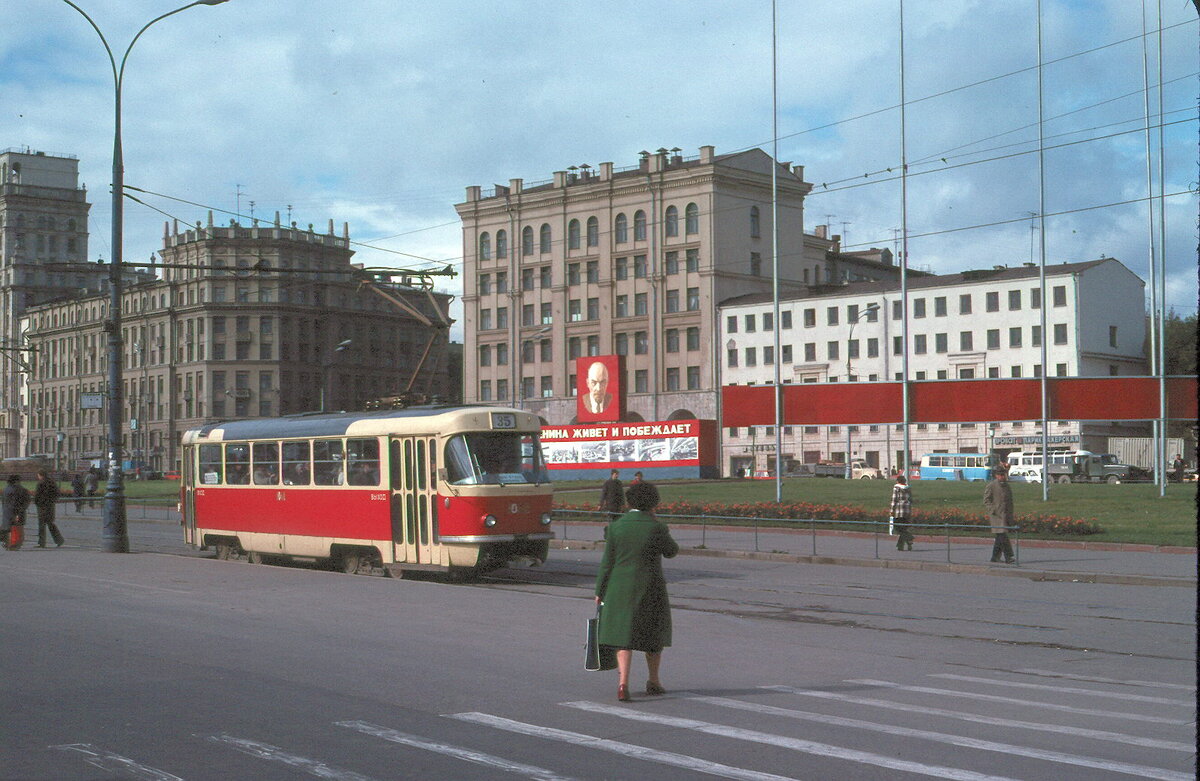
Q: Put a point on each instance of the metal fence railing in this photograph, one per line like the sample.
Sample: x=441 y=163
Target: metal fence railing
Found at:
x=748 y=532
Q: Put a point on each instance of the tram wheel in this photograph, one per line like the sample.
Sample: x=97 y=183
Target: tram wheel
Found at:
x=254 y=557
x=226 y=551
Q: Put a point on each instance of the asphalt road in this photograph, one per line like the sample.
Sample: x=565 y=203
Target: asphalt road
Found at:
x=164 y=664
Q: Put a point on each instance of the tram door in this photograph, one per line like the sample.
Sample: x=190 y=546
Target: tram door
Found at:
x=414 y=499
x=189 y=498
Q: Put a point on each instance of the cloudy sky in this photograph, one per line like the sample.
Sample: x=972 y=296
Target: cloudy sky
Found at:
x=380 y=112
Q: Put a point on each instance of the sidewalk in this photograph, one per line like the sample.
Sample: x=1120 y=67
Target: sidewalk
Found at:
x=1069 y=561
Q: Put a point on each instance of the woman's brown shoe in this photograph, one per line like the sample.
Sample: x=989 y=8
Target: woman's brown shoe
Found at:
x=623 y=693
x=653 y=689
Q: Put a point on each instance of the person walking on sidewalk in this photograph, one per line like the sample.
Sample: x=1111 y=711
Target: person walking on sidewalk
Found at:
x=612 y=496
x=44 y=498
x=997 y=499
x=901 y=512
x=16 y=500
x=91 y=484
x=77 y=489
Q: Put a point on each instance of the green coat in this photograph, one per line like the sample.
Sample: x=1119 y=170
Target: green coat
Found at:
x=636 y=613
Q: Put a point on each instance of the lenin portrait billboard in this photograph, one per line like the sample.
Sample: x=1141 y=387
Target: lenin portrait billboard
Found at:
x=599 y=395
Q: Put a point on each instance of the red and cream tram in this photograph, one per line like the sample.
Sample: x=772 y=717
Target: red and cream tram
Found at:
x=436 y=488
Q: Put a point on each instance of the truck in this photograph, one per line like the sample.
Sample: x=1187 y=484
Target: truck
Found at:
x=1070 y=466
x=1124 y=473
x=1139 y=451
x=859 y=470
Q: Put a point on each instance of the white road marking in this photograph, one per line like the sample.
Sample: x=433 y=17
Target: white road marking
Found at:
x=1064 y=689
x=1008 y=749
x=1094 y=734
x=1152 y=684
x=488 y=760
x=795 y=744
x=115 y=763
x=1015 y=701
x=625 y=749
x=276 y=754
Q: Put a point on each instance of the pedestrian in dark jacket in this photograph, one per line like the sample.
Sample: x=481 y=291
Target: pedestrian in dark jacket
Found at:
x=79 y=491
x=630 y=587
x=997 y=498
x=91 y=484
x=612 y=496
x=901 y=512
x=44 y=498
x=15 y=501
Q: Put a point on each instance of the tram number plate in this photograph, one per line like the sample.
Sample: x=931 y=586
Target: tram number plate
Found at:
x=379 y=497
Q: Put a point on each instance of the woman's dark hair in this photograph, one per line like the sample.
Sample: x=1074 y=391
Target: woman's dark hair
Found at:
x=642 y=496
x=901 y=479
x=14 y=479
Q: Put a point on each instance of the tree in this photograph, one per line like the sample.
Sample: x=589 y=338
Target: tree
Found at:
x=1180 y=344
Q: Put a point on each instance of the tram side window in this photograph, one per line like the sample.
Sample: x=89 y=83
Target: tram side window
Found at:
x=363 y=461
x=237 y=463
x=210 y=464
x=328 y=462
x=266 y=463
x=296 y=470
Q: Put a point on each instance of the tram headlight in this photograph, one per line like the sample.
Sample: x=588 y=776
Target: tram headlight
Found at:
x=546 y=519
x=489 y=521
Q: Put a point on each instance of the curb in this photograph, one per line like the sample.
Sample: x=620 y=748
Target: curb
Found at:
x=922 y=566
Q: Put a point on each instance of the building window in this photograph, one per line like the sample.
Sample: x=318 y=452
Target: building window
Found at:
x=622 y=306
x=547 y=278
x=691 y=219
x=897 y=345
x=593 y=309
x=768 y=356
x=993 y=301
x=918 y=307
x=755 y=264
x=639 y=225
x=693 y=378
x=731 y=359
x=785 y=319
x=593 y=345
x=485 y=284
x=1014 y=371
x=852 y=348
x=919 y=345
x=966 y=374
x=575 y=310
x=485 y=390
x=575 y=347
x=640 y=345
x=693 y=259
x=1014 y=336
x=639 y=266
x=1035 y=298
x=485 y=319
x=485 y=355
x=810 y=352
x=964 y=304
x=786 y=353
x=527 y=279
x=501 y=244
x=547 y=313
x=941 y=343
x=1061 y=370
x=810 y=318
x=1014 y=300
x=993 y=339
x=693 y=299
x=621 y=229
x=502 y=282
x=966 y=341
x=572 y=235
x=672 y=340
x=751 y=354
x=639 y=304
x=593 y=232
x=672 y=300
x=527 y=240
x=1060 y=295
x=622 y=344
x=641 y=381
x=527 y=352
x=593 y=271
x=622 y=268
x=547 y=350
x=485 y=246
x=731 y=324
x=1113 y=370
x=768 y=321
x=671 y=226
x=673 y=379
x=898 y=309
x=831 y=316
x=993 y=372
x=527 y=314
x=831 y=351
x=939 y=306
x=872 y=348
x=1112 y=336
x=1035 y=336
x=501 y=390
x=1060 y=333
x=693 y=338
x=750 y=324
x=544 y=240
x=672 y=262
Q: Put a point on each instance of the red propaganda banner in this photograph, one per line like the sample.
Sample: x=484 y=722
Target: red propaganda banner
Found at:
x=1121 y=398
x=974 y=401
x=599 y=395
x=668 y=443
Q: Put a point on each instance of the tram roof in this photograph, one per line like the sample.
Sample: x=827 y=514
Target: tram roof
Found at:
x=333 y=424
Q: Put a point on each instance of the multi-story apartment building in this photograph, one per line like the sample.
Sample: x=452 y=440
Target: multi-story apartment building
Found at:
x=246 y=322
x=633 y=262
x=43 y=255
x=973 y=325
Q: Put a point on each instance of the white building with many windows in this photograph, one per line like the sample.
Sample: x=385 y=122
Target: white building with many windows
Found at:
x=974 y=325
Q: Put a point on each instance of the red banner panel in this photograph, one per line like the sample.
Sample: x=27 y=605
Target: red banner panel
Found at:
x=825 y=404
x=974 y=401
x=1120 y=398
x=747 y=405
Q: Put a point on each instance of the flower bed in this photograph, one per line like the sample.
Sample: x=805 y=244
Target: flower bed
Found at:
x=1030 y=523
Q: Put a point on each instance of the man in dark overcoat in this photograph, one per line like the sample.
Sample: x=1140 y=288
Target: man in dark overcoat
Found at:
x=997 y=499
x=15 y=501
x=636 y=614
x=44 y=498
x=612 y=496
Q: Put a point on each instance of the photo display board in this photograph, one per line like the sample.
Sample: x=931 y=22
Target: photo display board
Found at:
x=676 y=444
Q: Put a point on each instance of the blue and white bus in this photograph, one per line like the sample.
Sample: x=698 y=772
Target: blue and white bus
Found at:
x=956 y=466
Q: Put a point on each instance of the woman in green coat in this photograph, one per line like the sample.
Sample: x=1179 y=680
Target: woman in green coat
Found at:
x=632 y=589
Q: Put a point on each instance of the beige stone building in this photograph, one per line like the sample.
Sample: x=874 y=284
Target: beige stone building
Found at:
x=631 y=261
x=247 y=321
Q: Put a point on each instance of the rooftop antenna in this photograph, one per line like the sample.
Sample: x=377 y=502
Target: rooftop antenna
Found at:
x=252 y=211
x=845 y=234
x=239 y=200
x=289 y=219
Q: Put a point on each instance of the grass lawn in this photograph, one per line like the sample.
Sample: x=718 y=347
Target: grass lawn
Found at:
x=1127 y=513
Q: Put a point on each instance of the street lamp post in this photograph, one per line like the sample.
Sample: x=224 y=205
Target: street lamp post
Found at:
x=853 y=322
x=342 y=347
x=115 y=537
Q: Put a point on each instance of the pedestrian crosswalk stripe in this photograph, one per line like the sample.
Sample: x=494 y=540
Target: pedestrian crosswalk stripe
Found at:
x=782 y=741
x=468 y=755
x=616 y=747
x=1065 y=689
x=115 y=763
x=1095 y=679
x=1007 y=749
x=276 y=754
x=1027 y=703
x=1062 y=729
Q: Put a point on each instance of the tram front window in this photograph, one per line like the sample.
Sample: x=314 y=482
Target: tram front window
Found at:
x=495 y=458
